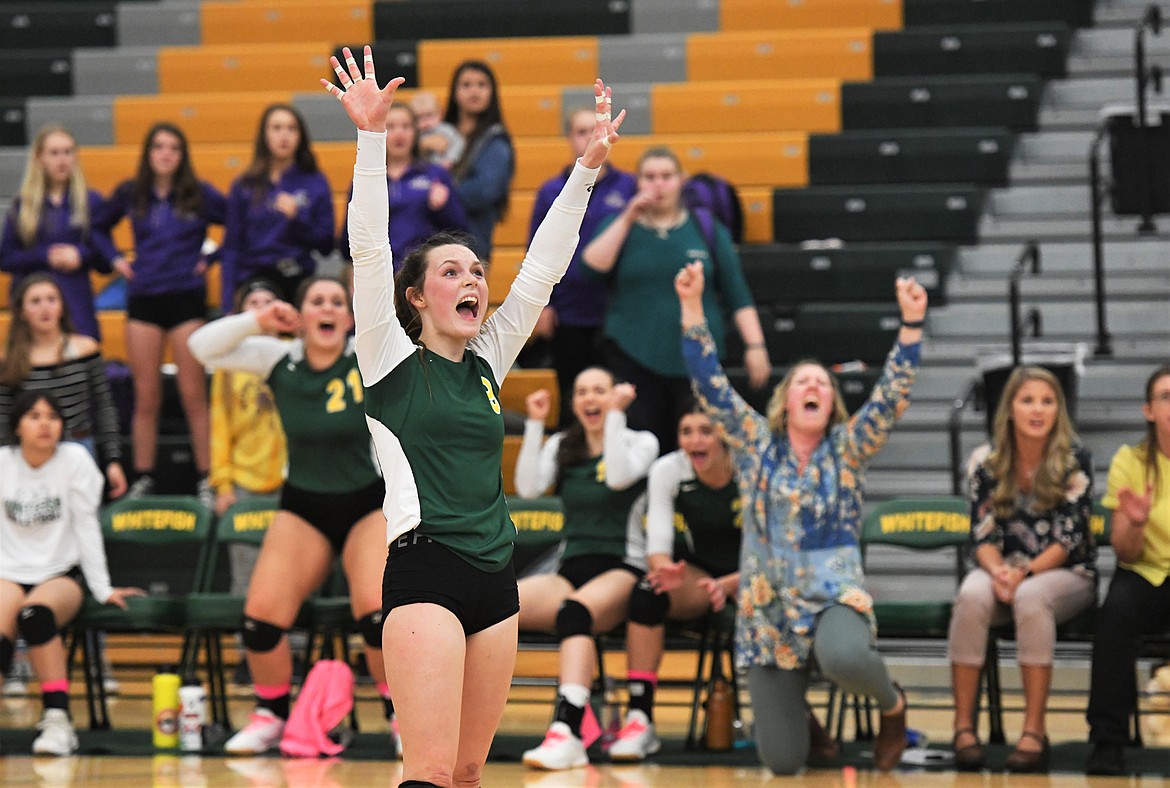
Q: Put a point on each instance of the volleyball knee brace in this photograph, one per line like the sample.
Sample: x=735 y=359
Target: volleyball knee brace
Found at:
x=37 y=624
x=260 y=636
x=646 y=607
x=573 y=619
x=370 y=627
x=7 y=650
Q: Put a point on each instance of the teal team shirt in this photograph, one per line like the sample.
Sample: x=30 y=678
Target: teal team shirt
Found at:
x=596 y=516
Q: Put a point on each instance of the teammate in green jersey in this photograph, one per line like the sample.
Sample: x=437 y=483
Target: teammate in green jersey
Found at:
x=432 y=367
x=598 y=467
x=330 y=501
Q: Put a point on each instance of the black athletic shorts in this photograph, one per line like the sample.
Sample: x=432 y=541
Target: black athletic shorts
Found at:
x=168 y=310
x=707 y=566
x=419 y=569
x=580 y=569
x=73 y=573
x=333 y=514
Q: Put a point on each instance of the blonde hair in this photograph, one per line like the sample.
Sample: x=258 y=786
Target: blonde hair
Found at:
x=34 y=186
x=777 y=411
x=1048 y=483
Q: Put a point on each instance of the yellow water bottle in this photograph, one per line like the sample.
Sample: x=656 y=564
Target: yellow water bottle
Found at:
x=165 y=701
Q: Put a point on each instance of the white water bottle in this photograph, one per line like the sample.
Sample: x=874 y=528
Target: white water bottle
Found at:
x=192 y=716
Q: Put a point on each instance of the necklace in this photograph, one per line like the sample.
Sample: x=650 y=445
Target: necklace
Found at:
x=661 y=227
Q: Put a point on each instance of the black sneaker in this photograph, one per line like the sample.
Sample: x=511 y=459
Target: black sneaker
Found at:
x=1107 y=759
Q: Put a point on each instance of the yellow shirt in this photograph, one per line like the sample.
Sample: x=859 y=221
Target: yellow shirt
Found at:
x=1128 y=469
x=247 y=441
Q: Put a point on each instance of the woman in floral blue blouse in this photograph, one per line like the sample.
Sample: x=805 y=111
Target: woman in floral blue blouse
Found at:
x=1031 y=499
x=801 y=471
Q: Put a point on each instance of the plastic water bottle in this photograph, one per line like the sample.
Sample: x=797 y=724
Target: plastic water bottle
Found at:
x=192 y=715
x=165 y=703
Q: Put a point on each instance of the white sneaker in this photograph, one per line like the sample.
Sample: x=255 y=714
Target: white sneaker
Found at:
x=57 y=734
x=204 y=493
x=261 y=734
x=142 y=487
x=636 y=740
x=559 y=750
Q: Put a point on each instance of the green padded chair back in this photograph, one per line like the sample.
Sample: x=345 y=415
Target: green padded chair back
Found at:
x=539 y=522
x=919 y=523
x=245 y=522
x=159 y=542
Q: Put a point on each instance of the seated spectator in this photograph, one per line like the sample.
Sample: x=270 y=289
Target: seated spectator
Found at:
x=1138 y=602
x=1031 y=500
x=53 y=553
x=438 y=141
x=697 y=482
x=598 y=467
x=640 y=250
x=801 y=470
x=573 y=318
x=483 y=174
x=422 y=196
x=279 y=212
x=170 y=210
x=49 y=228
x=43 y=354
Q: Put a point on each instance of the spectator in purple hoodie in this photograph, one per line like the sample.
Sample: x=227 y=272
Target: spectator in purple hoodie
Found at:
x=49 y=227
x=170 y=210
x=279 y=211
x=573 y=319
x=422 y=195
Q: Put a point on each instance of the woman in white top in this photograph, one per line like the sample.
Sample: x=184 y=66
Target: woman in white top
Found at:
x=52 y=552
x=598 y=467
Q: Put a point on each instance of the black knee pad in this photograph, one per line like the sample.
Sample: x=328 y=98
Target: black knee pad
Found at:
x=7 y=649
x=260 y=636
x=646 y=607
x=370 y=627
x=37 y=624
x=573 y=619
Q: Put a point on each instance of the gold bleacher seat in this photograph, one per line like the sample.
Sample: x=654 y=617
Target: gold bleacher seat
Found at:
x=515 y=61
x=735 y=107
x=522 y=382
x=242 y=68
x=788 y=54
x=277 y=21
x=774 y=15
x=757 y=214
x=502 y=272
x=113 y=327
x=511 y=451
x=203 y=117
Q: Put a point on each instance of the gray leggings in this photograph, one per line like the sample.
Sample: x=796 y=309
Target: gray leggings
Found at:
x=846 y=655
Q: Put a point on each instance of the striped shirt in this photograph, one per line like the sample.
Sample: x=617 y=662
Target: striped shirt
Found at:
x=80 y=385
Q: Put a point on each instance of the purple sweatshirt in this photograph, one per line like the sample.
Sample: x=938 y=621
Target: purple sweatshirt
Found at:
x=411 y=219
x=97 y=254
x=167 y=245
x=258 y=238
x=579 y=299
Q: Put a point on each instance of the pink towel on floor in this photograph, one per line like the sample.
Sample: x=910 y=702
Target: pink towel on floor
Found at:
x=323 y=703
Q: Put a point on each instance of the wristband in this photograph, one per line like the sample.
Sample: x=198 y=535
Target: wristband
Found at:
x=913 y=323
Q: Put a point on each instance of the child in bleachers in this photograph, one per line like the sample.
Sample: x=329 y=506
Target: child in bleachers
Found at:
x=170 y=211
x=438 y=141
x=639 y=251
x=423 y=198
x=598 y=467
x=50 y=229
x=280 y=211
x=573 y=318
x=50 y=492
x=483 y=174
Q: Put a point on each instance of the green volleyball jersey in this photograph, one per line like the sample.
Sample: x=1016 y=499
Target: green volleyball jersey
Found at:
x=324 y=423
x=448 y=421
x=714 y=520
x=596 y=517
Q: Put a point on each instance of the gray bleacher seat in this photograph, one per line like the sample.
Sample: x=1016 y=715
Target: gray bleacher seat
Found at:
x=643 y=58
x=1036 y=48
x=674 y=16
x=1010 y=101
x=910 y=156
x=165 y=23
x=89 y=118
x=121 y=71
x=877 y=213
x=634 y=98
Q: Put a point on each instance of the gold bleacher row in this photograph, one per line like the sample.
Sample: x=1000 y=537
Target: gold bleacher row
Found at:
x=275 y=21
